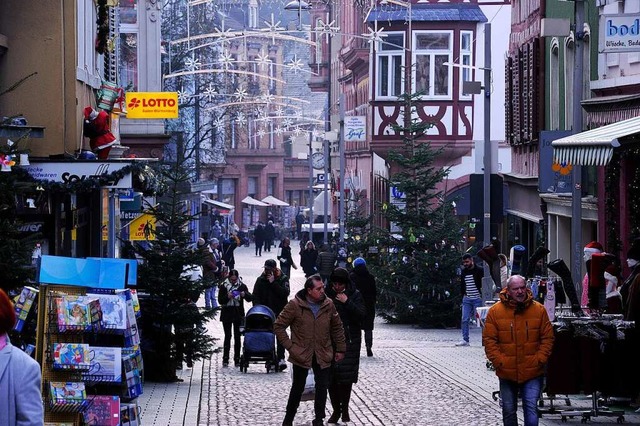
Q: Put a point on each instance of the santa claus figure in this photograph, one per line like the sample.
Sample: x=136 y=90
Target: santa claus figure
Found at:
x=614 y=299
x=589 y=250
x=96 y=128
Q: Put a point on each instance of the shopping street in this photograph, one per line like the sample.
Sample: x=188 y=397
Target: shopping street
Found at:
x=416 y=377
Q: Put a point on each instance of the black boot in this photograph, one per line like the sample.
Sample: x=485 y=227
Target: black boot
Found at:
x=369 y=351
x=345 y=393
x=540 y=253
x=335 y=398
x=560 y=268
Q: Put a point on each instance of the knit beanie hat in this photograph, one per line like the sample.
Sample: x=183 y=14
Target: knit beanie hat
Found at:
x=359 y=261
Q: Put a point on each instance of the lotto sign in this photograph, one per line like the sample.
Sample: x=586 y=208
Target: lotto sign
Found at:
x=152 y=104
x=142 y=228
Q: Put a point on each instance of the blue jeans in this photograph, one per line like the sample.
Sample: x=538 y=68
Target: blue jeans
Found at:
x=468 y=312
x=210 y=298
x=530 y=392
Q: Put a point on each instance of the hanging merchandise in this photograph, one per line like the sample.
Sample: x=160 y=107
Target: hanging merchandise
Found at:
x=96 y=128
x=107 y=95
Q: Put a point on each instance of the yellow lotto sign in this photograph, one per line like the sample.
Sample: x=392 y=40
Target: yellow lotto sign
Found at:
x=152 y=104
x=142 y=228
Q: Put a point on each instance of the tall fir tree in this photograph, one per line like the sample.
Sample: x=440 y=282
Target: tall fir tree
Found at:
x=415 y=262
x=170 y=316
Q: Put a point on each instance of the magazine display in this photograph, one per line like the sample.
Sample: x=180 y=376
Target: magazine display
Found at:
x=71 y=356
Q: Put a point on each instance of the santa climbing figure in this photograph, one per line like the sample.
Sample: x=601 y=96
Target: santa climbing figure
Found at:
x=96 y=128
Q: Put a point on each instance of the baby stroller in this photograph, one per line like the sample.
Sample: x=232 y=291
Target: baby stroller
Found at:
x=259 y=340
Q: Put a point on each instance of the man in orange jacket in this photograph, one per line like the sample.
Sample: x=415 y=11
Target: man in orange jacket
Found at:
x=518 y=338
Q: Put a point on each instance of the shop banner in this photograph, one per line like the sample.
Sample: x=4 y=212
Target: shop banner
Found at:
x=152 y=104
x=619 y=33
x=354 y=128
x=142 y=227
x=91 y=272
x=79 y=171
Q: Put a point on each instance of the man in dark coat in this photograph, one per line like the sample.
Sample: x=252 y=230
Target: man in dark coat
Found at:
x=350 y=306
x=269 y=235
x=326 y=262
x=285 y=258
x=228 y=247
x=272 y=290
x=366 y=284
x=308 y=257
x=258 y=238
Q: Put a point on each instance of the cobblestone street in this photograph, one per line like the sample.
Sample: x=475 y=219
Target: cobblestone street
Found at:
x=416 y=377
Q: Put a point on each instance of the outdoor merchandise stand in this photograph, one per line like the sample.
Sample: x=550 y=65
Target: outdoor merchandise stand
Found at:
x=592 y=355
x=87 y=342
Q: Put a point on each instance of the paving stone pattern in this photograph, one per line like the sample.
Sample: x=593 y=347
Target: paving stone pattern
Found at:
x=416 y=377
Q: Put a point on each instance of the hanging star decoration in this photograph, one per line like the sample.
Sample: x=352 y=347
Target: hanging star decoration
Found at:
x=263 y=60
x=327 y=29
x=183 y=96
x=287 y=123
x=315 y=132
x=297 y=131
x=267 y=97
x=226 y=59
x=241 y=94
x=241 y=119
x=278 y=130
x=192 y=64
x=295 y=64
x=299 y=114
x=224 y=35
x=209 y=92
x=261 y=133
x=218 y=123
x=374 y=35
x=272 y=29
x=279 y=111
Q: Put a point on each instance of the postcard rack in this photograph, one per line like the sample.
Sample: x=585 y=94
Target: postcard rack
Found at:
x=84 y=365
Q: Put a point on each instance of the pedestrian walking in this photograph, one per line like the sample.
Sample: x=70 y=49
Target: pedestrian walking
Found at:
x=272 y=290
x=518 y=338
x=350 y=306
x=284 y=257
x=228 y=247
x=209 y=270
x=308 y=258
x=269 y=235
x=317 y=338
x=258 y=238
x=326 y=262
x=211 y=295
x=365 y=282
x=471 y=289
x=232 y=293
x=20 y=377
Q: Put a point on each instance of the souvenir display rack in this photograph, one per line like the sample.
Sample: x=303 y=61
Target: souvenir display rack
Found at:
x=61 y=378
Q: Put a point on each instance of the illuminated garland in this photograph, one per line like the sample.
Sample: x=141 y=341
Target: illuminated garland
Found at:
x=612 y=194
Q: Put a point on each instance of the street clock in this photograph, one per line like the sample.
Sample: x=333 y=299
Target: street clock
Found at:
x=317 y=160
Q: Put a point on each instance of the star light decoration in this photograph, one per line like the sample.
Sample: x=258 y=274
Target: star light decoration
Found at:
x=263 y=60
x=295 y=64
x=240 y=94
x=278 y=130
x=279 y=111
x=241 y=119
x=224 y=34
x=226 y=59
x=297 y=131
x=209 y=92
x=267 y=98
x=183 y=96
x=327 y=29
x=374 y=35
x=272 y=29
x=287 y=123
x=192 y=64
x=261 y=133
x=218 y=123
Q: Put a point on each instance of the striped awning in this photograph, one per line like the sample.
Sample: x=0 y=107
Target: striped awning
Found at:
x=594 y=147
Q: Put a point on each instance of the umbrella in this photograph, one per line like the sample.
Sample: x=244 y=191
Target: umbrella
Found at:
x=274 y=201
x=253 y=202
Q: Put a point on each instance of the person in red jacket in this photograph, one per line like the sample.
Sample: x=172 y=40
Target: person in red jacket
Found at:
x=518 y=338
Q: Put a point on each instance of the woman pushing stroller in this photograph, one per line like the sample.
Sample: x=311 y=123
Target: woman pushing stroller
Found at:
x=231 y=296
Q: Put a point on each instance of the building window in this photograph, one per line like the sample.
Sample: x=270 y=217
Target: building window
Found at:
x=128 y=63
x=128 y=12
x=252 y=186
x=390 y=58
x=466 y=57
x=431 y=49
x=568 y=83
x=272 y=183
x=88 y=59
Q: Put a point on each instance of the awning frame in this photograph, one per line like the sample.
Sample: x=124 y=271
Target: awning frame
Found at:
x=253 y=202
x=594 y=147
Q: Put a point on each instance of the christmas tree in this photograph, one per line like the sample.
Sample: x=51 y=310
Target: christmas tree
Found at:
x=172 y=324
x=415 y=260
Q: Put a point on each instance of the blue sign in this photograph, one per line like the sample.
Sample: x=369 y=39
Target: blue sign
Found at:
x=553 y=177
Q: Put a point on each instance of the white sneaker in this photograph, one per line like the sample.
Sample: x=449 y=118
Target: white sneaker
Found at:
x=462 y=343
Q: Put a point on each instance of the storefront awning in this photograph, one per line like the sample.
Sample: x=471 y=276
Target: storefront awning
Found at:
x=273 y=201
x=594 y=147
x=219 y=204
x=253 y=202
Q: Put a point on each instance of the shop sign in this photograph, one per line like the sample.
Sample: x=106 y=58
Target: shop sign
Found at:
x=152 y=104
x=619 y=33
x=77 y=172
x=354 y=128
x=142 y=228
x=31 y=227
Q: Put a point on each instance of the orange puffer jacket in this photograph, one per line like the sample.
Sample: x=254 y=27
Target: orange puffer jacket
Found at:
x=518 y=344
